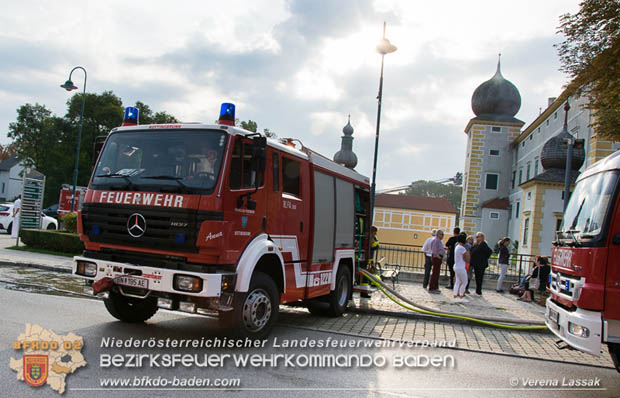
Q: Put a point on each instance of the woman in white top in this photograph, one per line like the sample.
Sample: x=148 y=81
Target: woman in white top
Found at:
x=461 y=257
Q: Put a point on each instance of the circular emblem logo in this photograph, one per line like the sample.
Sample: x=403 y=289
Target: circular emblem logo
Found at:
x=136 y=225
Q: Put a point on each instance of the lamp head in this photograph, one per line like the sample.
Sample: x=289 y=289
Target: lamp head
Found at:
x=385 y=47
x=69 y=86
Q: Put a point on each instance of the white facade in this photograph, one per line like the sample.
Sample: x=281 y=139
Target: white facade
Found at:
x=10 y=179
x=519 y=162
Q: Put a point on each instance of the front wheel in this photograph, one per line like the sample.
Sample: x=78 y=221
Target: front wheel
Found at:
x=614 y=352
x=51 y=227
x=255 y=312
x=130 y=309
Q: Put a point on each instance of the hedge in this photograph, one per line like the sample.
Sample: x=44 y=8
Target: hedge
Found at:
x=52 y=240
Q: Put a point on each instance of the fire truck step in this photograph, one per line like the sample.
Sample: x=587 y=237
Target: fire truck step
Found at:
x=562 y=345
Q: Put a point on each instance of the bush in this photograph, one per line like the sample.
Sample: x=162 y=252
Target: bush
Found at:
x=69 y=220
x=52 y=240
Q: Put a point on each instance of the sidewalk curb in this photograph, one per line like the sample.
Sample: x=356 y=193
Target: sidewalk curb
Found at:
x=55 y=268
x=431 y=318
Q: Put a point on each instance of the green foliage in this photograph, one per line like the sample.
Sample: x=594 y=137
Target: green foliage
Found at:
x=146 y=115
x=69 y=220
x=52 y=240
x=250 y=125
x=48 y=142
x=433 y=189
x=590 y=55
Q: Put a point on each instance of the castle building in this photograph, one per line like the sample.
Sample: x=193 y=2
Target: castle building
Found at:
x=513 y=181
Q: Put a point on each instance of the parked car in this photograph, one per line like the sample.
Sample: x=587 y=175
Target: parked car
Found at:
x=6 y=219
x=51 y=211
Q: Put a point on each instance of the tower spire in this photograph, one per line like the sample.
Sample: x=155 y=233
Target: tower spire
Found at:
x=499 y=61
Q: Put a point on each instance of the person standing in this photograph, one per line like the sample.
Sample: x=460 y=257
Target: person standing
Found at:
x=479 y=259
x=17 y=205
x=437 y=253
x=470 y=269
x=461 y=257
x=428 y=265
x=450 y=246
x=502 y=261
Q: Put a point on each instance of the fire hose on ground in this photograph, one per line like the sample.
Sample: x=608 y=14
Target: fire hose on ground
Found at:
x=490 y=321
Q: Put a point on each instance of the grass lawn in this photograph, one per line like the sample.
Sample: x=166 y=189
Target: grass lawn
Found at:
x=42 y=251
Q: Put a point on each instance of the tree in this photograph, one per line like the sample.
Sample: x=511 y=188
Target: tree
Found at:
x=250 y=125
x=590 y=55
x=39 y=139
x=6 y=151
x=48 y=142
x=436 y=190
x=146 y=115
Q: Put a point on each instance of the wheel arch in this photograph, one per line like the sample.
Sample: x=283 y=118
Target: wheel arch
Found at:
x=343 y=258
x=264 y=256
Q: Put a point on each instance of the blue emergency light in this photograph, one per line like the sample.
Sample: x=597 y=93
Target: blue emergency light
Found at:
x=227 y=114
x=131 y=116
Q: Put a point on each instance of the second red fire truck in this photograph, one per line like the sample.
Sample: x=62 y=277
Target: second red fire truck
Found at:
x=219 y=221
x=583 y=309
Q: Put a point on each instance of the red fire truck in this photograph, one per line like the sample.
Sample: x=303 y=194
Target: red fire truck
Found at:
x=583 y=308
x=219 y=221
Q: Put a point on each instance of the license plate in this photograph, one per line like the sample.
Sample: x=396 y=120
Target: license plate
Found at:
x=554 y=316
x=132 y=281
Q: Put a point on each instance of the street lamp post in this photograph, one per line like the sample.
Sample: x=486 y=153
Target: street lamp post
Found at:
x=384 y=47
x=69 y=86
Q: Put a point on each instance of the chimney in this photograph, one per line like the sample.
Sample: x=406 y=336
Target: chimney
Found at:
x=550 y=101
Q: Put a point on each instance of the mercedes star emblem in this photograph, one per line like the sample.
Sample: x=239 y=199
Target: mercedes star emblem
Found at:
x=136 y=225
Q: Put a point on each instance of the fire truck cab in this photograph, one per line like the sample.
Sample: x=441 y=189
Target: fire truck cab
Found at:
x=219 y=221
x=583 y=308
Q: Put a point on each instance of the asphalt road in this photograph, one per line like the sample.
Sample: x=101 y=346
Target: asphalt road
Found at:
x=473 y=374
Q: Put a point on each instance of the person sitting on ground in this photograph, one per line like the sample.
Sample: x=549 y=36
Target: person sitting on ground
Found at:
x=461 y=257
x=541 y=271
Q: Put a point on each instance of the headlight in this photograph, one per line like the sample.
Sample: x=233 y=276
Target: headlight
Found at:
x=578 y=330
x=187 y=283
x=86 y=268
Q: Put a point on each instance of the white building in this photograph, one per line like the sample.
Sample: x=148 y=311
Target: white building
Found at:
x=510 y=188
x=10 y=178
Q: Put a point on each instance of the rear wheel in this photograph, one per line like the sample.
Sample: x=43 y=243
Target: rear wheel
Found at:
x=334 y=304
x=130 y=309
x=9 y=229
x=255 y=312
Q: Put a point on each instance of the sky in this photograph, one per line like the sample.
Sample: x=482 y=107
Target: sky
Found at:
x=298 y=68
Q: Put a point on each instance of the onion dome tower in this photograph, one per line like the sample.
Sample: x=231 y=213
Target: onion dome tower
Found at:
x=554 y=153
x=497 y=99
x=486 y=177
x=345 y=155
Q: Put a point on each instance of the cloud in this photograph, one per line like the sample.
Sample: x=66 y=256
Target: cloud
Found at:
x=295 y=67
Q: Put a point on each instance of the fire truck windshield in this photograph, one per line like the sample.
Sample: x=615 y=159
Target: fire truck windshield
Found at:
x=588 y=208
x=162 y=160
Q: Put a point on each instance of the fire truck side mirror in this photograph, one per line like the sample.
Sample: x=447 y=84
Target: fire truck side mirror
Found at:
x=97 y=147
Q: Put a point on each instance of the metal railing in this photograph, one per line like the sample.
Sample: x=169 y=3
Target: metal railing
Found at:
x=411 y=259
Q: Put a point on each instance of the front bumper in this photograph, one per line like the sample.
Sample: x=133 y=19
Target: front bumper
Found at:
x=589 y=319
x=159 y=279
